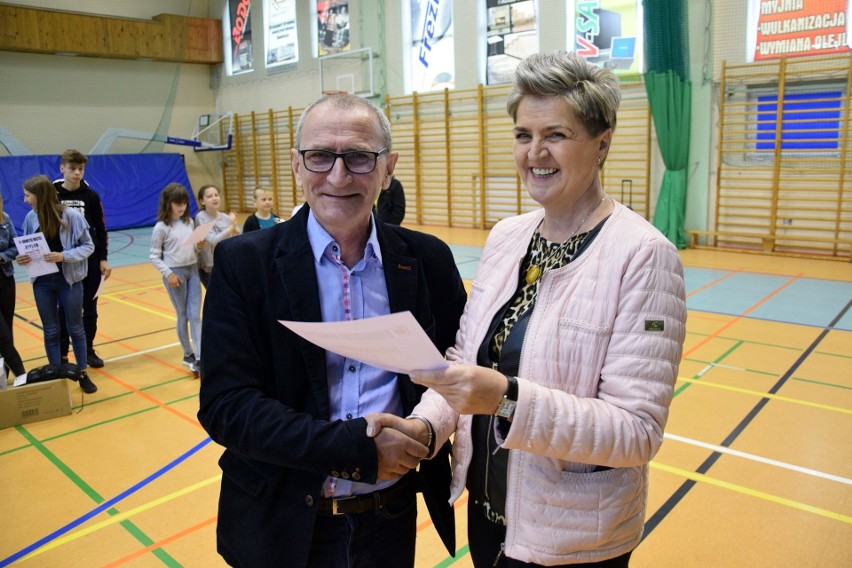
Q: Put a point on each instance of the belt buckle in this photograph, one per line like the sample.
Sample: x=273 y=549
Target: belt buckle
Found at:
x=334 y=502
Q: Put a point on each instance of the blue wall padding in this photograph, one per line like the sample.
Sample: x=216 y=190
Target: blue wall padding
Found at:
x=129 y=184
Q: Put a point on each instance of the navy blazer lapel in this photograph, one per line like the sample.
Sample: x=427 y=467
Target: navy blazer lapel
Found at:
x=401 y=272
x=401 y=278
x=294 y=263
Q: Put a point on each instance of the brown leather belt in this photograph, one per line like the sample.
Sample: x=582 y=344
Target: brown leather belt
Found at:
x=367 y=503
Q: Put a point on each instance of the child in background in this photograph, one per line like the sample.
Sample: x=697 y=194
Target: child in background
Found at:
x=263 y=217
x=67 y=235
x=8 y=252
x=224 y=226
x=73 y=191
x=178 y=263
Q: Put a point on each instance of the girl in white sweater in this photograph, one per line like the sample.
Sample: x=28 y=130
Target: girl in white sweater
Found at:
x=177 y=262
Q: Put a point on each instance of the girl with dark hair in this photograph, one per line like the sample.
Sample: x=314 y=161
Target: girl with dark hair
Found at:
x=178 y=264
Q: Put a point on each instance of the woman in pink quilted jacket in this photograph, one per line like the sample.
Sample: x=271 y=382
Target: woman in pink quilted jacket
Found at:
x=562 y=374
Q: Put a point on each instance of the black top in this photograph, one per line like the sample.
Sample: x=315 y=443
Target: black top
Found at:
x=86 y=200
x=391 y=205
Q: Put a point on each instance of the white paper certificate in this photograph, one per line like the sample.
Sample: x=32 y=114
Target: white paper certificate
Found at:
x=395 y=343
x=35 y=246
x=199 y=234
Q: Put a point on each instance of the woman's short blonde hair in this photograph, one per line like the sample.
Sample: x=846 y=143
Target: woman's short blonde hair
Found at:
x=591 y=91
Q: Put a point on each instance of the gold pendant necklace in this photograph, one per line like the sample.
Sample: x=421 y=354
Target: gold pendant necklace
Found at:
x=535 y=270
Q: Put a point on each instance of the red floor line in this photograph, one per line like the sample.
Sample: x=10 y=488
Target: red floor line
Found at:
x=711 y=284
x=161 y=543
x=731 y=322
x=428 y=522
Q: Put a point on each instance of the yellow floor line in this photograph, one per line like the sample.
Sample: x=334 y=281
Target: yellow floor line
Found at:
x=170 y=317
x=702 y=478
x=767 y=395
x=120 y=517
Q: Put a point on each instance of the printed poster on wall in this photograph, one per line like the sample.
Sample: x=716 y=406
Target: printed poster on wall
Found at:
x=239 y=57
x=332 y=26
x=432 y=54
x=608 y=33
x=796 y=28
x=282 y=46
x=512 y=35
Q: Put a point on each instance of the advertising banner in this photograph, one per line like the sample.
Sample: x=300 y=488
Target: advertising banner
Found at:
x=432 y=63
x=608 y=33
x=239 y=55
x=797 y=27
x=282 y=46
x=512 y=35
x=332 y=26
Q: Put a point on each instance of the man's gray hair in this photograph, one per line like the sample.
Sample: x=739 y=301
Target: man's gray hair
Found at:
x=346 y=101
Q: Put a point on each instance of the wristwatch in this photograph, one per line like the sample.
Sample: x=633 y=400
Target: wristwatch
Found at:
x=506 y=408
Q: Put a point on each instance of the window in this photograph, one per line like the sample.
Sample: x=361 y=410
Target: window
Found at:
x=810 y=120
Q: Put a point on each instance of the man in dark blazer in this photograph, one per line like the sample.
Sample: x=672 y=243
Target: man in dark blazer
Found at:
x=303 y=484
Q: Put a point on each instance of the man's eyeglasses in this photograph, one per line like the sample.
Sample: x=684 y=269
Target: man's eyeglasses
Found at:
x=357 y=162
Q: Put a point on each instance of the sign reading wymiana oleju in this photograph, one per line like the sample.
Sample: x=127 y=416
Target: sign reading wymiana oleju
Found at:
x=796 y=28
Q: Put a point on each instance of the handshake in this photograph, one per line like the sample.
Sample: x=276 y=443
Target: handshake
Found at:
x=401 y=443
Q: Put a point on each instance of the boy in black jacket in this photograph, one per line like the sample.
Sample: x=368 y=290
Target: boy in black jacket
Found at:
x=74 y=192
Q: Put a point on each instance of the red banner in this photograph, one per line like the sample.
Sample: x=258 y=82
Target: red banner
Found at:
x=801 y=27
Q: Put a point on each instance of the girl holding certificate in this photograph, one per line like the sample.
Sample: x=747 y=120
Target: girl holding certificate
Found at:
x=69 y=245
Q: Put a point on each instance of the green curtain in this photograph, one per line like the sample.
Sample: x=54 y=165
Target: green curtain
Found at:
x=670 y=98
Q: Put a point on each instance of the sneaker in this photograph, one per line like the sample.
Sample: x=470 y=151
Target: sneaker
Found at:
x=93 y=360
x=189 y=361
x=86 y=383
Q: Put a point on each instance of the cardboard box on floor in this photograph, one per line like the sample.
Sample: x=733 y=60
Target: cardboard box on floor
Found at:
x=38 y=401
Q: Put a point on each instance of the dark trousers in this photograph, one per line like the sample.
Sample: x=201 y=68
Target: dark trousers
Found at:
x=90 y=308
x=7 y=314
x=485 y=539
x=366 y=540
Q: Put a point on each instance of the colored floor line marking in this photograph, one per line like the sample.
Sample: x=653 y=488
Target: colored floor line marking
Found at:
x=190 y=419
x=734 y=320
x=704 y=478
x=769 y=396
x=714 y=282
x=109 y=421
x=680 y=493
x=759 y=459
x=706 y=368
x=460 y=553
x=428 y=522
x=822 y=383
x=120 y=517
x=138 y=306
x=160 y=543
x=55 y=538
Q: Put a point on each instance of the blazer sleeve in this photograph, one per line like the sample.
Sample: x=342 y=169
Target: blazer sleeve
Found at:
x=261 y=381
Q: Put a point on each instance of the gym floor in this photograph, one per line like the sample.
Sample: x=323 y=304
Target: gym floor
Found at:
x=755 y=469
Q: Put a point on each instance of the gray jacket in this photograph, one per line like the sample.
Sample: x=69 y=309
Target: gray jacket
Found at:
x=77 y=244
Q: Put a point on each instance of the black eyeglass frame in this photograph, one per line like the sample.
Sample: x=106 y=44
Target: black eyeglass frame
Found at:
x=342 y=156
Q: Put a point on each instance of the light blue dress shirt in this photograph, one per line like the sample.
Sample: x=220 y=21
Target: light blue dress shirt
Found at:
x=355 y=389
